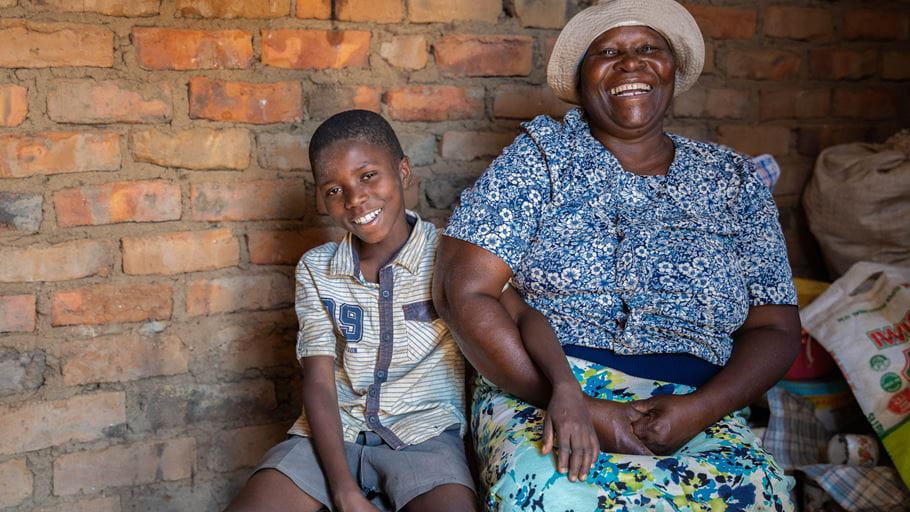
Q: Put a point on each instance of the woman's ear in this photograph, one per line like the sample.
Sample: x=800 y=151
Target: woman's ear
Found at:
x=404 y=171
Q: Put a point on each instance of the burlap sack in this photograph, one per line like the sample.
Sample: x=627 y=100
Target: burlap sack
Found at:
x=858 y=203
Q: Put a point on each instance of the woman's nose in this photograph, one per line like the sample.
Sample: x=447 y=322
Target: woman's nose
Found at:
x=630 y=61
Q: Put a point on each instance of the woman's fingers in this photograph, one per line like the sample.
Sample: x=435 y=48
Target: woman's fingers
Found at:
x=547 y=435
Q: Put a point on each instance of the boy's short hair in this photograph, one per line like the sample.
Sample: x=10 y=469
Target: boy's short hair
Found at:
x=359 y=125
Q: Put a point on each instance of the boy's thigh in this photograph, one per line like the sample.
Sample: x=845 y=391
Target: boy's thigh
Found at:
x=295 y=458
x=269 y=490
x=417 y=469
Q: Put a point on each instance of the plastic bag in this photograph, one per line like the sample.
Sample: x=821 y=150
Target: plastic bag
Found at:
x=857 y=203
x=863 y=320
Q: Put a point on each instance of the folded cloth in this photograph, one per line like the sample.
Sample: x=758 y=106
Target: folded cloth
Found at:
x=797 y=440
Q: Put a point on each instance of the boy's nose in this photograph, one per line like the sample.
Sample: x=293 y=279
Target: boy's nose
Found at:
x=355 y=197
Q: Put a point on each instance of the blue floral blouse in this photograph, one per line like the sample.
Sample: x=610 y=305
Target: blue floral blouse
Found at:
x=635 y=264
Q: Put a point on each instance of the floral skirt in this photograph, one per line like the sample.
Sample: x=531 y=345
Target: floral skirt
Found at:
x=722 y=469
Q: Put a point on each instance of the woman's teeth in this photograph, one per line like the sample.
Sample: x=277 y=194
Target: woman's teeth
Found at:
x=366 y=219
x=630 y=89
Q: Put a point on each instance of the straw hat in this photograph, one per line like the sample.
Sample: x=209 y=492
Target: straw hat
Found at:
x=667 y=17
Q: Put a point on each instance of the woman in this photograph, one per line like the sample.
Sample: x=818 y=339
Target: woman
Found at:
x=658 y=261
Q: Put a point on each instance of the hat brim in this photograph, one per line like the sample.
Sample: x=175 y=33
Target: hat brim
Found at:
x=667 y=17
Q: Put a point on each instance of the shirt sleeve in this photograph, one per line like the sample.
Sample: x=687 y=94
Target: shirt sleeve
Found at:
x=316 y=336
x=761 y=246
x=501 y=211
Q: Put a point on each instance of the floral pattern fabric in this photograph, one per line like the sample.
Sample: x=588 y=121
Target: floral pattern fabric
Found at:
x=635 y=264
x=722 y=469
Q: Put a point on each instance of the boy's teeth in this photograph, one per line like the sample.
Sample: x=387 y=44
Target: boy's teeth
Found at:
x=368 y=217
x=630 y=89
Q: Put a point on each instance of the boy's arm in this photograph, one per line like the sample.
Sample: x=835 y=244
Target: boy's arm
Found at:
x=567 y=415
x=320 y=404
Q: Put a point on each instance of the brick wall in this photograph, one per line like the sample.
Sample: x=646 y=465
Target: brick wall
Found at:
x=154 y=194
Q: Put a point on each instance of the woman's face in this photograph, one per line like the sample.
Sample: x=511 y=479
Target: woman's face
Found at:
x=626 y=81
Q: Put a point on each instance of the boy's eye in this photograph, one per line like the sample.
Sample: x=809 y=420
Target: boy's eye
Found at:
x=332 y=191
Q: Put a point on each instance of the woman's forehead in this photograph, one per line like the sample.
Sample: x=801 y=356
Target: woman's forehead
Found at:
x=641 y=31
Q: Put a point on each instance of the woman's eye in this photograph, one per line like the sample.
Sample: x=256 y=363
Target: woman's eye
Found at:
x=609 y=52
x=369 y=175
x=648 y=49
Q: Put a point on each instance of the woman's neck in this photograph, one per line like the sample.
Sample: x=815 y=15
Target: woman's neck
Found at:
x=650 y=154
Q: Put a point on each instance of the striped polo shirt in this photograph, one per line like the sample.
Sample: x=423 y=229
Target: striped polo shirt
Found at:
x=398 y=372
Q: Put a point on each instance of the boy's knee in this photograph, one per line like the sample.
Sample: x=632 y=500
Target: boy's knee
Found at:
x=448 y=497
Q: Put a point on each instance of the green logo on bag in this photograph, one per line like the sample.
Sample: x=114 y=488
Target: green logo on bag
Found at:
x=891 y=382
x=879 y=362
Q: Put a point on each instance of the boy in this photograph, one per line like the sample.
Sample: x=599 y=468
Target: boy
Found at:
x=383 y=379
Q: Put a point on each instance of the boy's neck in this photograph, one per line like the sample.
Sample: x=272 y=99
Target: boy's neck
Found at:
x=373 y=257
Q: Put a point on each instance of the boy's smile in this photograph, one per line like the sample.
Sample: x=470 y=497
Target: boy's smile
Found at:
x=363 y=190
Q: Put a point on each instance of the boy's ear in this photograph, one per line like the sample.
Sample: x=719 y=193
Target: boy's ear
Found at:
x=404 y=171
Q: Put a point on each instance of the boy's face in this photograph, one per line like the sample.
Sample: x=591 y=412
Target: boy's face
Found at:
x=363 y=190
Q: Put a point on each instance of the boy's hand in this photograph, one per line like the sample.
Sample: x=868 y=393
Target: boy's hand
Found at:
x=353 y=501
x=567 y=420
x=669 y=421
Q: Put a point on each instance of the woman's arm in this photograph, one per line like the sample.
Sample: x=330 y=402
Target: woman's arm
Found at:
x=467 y=285
x=763 y=350
x=320 y=404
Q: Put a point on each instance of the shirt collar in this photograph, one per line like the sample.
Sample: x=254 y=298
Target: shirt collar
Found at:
x=346 y=262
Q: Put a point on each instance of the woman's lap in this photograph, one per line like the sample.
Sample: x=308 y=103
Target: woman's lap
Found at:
x=724 y=468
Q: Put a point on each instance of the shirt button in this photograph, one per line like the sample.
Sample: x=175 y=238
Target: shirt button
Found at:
x=372 y=420
x=372 y=391
x=380 y=375
x=385 y=294
x=386 y=337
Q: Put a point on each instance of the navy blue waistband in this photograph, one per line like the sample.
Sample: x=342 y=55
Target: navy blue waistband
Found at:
x=676 y=368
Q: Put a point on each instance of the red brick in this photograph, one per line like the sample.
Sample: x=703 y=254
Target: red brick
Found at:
x=109 y=101
x=123 y=201
x=709 y=66
x=715 y=103
x=283 y=151
x=812 y=140
x=865 y=103
x=176 y=253
x=840 y=64
x=875 y=24
x=474 y=145
x=318 y=9
x=286 y=247
x=527 y=102
x=58 y=152
x=13 y=104
x=484 y=55
x=17 y=482
x=802 y=23
x=234 y=8
x=81 y=418
x=315 y=49
x=17 y=313
x=109 y=504
x=428 y=11
x=173 y=406
x=331 y=99
x=20 y=212
x=798 y=103
x=896 y=66
x=406 y=52
x=763 y=64
x=111 y=304
x=548 y=45
x=8 y=3
x=24 y=44
x=379 y=11
x=260 y=340
x=541 y=13
x=169 y=48
x=434 y=103
x=60 y=262
x=252 y=200
x=107 y=7
x=135 y=464
x=198 y=148
x=725 y=22
x=121 y=358
x=242 y=102
x=235 y=293
x=243 y=447
x=755 y=140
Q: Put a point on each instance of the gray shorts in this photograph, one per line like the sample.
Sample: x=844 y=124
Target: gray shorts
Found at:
x=389 y=478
